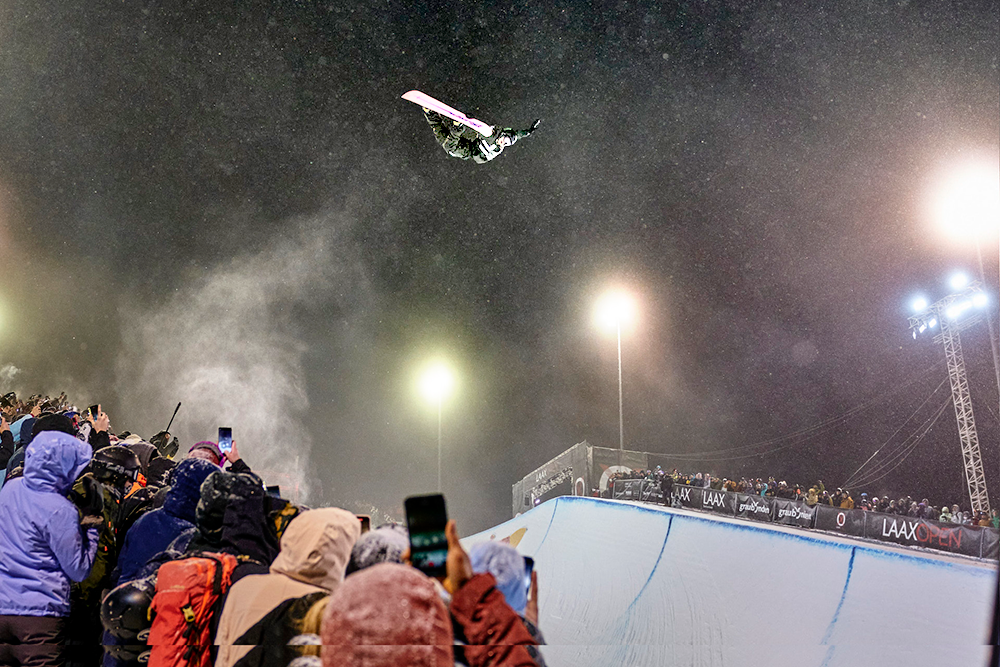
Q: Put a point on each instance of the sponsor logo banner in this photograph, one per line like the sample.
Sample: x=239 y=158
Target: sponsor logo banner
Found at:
x=650 y=492
x=757 y=508
x=721 y=502
x=991 y=543
x=909 y=531
x=793 y=513
x=627 y=489
x=848 y=522
x=688 y=496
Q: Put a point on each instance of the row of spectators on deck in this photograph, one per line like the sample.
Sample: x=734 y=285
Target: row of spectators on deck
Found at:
x=88 y=517
x=814 y=495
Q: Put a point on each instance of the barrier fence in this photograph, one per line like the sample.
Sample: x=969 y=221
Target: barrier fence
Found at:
x=908 y=531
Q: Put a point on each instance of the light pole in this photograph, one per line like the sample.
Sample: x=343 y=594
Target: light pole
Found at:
x=953 y=314
x=614 y=309
x=436 y=382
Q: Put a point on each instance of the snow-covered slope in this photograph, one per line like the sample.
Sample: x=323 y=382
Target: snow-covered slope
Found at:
x=632 y=584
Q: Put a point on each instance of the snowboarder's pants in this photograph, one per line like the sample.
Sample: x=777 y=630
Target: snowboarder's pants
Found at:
x=32 y=640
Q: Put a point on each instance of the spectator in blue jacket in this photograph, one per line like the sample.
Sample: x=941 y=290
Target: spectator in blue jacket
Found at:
x=154 y=532
x=43 y=547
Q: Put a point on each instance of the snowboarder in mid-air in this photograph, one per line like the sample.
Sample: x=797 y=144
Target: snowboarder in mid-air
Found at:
x=460 y=141
x=463 y=137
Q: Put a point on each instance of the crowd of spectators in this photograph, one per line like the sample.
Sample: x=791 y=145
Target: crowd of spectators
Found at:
x=90 y=519
x=812 y=495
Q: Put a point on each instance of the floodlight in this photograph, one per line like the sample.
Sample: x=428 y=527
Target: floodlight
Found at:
x=919 y=304
x=979 y=300
x=614 y=309
x=958 y=281
x=436 y=382
x=932 y=323
x=966 y=203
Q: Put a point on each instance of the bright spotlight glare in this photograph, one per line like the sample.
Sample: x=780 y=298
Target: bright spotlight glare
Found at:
x=967 y=203
x=919 y=304
x=436 y=382
x=923 y=328
x=952 y=313
x=958 y=281
x=980 y=300
x=614 y=309
x=932 y=323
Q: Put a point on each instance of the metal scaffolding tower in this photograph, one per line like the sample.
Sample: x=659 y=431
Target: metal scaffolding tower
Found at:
x=955 y=313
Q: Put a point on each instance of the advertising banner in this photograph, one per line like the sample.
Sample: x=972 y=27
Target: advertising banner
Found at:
x=793 y=513
x=651 y=492
x=757 y=508
x=688 y=496
x=922 y=533
x=627 y=489
x=991 y=543
x=848 y=522
x=720 y=502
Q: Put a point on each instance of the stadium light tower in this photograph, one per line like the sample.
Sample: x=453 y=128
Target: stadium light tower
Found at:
x=613 y=310
x=946 y=318
x=436 y=384
x=965 y=206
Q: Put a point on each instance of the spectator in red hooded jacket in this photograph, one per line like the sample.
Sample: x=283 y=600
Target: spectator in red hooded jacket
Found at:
x=391 y=614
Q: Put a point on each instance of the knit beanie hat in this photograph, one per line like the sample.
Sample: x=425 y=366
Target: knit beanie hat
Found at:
x=210 y=446
x=507 y=566
x=384 y=616
x=385 y=544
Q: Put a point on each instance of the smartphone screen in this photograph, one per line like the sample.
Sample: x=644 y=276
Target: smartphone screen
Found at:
x=425 y=519
x=94 y=410
x=225 y=439
x=273 y=491
x=366 y=523
x=529 y=566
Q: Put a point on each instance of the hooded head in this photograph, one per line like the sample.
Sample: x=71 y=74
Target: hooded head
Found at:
x=384 y=616
x=146 y=453
x=385 y=544
x=316 y=546
x=54 y=461
x=185 y=488
x=507 y=566
x=231 y=516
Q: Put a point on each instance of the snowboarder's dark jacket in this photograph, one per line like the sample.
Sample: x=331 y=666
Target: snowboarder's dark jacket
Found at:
x=467 y=144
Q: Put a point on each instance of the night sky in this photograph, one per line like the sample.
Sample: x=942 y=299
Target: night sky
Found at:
x=228 y=205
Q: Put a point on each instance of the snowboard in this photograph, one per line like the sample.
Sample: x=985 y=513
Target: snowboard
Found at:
x=428 y=102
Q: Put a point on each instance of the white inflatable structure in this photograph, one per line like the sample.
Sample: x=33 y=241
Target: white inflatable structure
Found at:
x=632 y=584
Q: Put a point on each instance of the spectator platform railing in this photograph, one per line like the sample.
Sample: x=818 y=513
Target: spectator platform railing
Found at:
x=976 y=541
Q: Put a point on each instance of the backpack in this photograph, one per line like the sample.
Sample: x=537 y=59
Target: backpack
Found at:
x=188 y=592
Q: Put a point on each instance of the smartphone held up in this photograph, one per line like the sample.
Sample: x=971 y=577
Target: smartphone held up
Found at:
x=225 y=439
x=426 y=518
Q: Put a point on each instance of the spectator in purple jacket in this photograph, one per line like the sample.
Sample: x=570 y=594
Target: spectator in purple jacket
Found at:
x=43 y=547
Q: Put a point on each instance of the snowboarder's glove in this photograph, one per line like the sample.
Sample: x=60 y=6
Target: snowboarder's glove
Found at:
x=88 y=496
x=520 y=134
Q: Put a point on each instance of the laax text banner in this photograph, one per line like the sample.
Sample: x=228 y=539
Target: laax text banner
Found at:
x=910 y=531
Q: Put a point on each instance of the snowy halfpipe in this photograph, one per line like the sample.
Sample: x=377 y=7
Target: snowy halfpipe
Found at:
x=631 y=584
